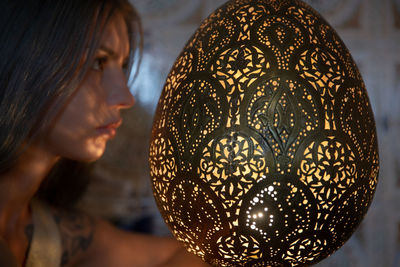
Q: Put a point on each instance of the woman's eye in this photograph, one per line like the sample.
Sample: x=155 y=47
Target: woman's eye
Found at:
x=99 y=63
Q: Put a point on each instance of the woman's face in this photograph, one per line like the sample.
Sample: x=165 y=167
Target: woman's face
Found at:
x=92 y=114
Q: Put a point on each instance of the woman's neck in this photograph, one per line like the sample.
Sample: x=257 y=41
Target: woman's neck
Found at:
x=20 y=184
x=17 y=188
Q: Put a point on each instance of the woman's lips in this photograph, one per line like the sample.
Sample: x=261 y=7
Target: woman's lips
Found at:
x=109 y=130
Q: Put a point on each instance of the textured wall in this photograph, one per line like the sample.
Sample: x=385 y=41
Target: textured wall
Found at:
x=371 y=31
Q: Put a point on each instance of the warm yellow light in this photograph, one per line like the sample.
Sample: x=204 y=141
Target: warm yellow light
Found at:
x=264 y=149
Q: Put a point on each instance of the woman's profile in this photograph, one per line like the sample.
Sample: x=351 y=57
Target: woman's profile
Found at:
x=63 y=82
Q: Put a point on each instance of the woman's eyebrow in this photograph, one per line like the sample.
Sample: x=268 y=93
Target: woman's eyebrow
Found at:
x=111 y=52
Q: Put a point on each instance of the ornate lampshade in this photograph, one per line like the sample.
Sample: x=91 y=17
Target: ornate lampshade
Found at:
x=264 y=149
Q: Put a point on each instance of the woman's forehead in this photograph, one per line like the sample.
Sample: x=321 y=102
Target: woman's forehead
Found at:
x=115 y=36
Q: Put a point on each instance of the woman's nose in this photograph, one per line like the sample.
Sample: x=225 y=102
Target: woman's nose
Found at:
x=118 y=93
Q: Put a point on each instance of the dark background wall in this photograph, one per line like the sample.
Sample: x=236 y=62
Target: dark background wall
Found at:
x=371 y=30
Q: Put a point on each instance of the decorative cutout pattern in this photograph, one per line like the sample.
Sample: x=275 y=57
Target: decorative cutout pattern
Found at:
x=231 y=165
x=264 y=149
x=283 y=112
x=282 y=36
x=329 y=169
x=162 y=166
x=192 y=226
x=236 y=69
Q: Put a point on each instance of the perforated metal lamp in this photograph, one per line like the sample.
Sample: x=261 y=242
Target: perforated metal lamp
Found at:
x=264 y=149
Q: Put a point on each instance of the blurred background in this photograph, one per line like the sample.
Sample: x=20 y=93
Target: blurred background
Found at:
x=121 y=189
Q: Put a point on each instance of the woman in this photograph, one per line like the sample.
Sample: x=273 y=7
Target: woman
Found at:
x=63 y=84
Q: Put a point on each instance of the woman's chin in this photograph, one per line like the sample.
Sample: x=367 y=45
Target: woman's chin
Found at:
x=92 y=151
x=79 y=149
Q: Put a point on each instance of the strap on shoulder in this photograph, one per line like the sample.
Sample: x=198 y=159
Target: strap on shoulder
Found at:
x=46 y=249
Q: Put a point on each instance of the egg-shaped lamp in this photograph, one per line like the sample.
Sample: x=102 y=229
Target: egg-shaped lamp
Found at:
x=264 y=148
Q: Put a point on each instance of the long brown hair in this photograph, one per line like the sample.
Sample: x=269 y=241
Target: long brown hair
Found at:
x=45 y=49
